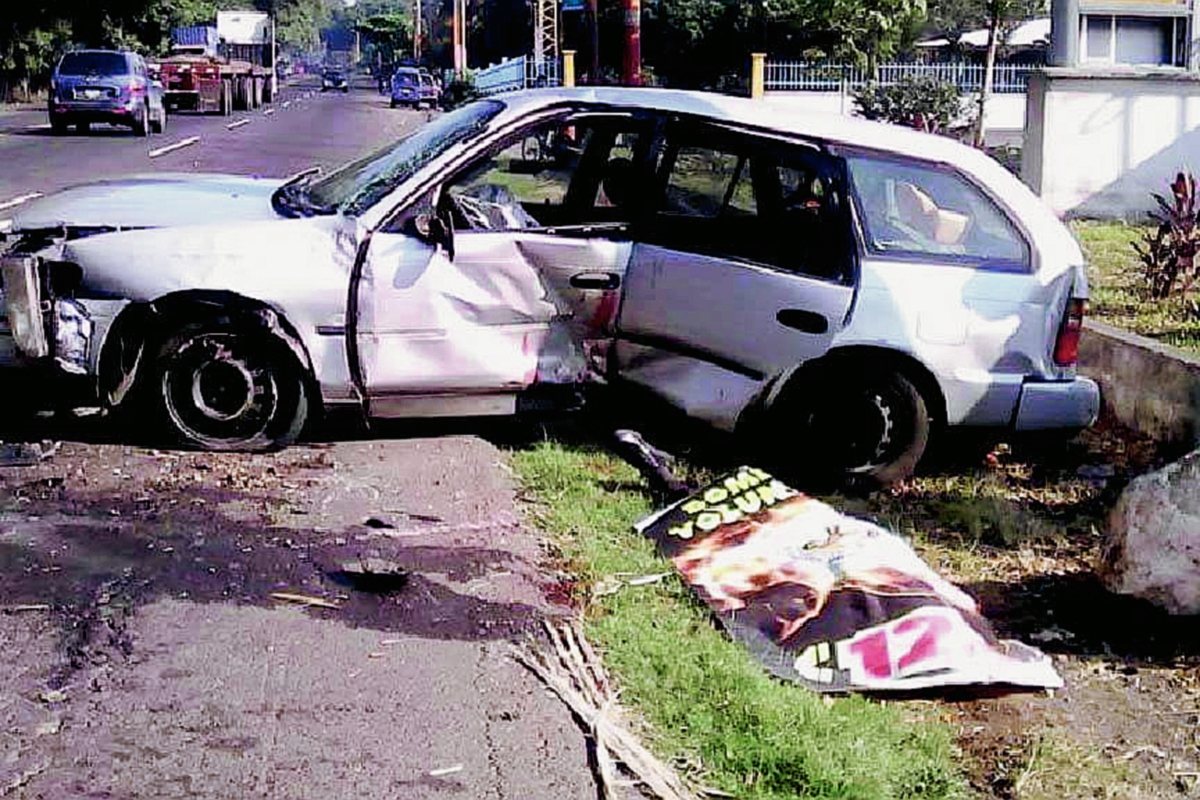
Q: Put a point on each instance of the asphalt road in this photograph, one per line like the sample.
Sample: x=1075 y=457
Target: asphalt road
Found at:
x=142 y=654
x=305 y=127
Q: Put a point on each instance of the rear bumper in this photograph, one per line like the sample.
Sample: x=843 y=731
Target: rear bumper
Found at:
x=1054 y=405
x=117 y=112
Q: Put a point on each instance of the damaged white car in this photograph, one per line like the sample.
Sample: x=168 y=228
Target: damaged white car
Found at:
x=842 y=287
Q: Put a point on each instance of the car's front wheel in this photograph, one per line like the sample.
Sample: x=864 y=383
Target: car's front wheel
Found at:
x=851 y=422
x=229 y=388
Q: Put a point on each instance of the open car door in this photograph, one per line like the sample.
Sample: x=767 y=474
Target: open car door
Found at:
x=520 y=287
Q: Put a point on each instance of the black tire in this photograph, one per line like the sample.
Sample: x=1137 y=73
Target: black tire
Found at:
x=217 y=386
x=141 y=123
x=57 y=127
x=83 y=127
x=854 y=423
x=159 y=125
x=394 y=103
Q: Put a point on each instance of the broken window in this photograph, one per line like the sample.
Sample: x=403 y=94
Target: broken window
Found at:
x=764 y=201
x=921 y=211
x=567 y=172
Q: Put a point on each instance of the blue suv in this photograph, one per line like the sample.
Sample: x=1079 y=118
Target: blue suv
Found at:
x=109 y=86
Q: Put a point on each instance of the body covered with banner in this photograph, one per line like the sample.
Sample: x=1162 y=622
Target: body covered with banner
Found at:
x=834 y=602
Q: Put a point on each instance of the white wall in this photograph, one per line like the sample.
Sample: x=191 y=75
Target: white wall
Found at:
x=1098 y=143
x=1005 y=112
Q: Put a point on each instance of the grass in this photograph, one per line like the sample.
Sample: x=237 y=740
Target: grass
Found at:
x=1118 y=295
x=705 y=703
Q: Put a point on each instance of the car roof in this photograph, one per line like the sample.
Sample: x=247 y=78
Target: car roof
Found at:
x=825 y=127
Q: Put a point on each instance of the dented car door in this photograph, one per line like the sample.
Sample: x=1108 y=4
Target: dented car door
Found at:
x=745 y=267
x=522 y=286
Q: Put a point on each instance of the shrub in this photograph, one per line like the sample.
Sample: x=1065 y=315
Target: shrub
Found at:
x=1168 y=253
x=458 y=92
x=922 y=102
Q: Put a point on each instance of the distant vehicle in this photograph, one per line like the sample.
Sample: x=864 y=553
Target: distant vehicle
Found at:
x=208 y=73
x=413 y=87
x=109 y=86
x=334 y=80
x=835 y=290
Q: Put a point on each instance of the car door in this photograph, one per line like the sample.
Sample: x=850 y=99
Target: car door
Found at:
x=745 y=268
x=527 y=286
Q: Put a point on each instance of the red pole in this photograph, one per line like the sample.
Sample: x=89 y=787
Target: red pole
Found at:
x=631 y=68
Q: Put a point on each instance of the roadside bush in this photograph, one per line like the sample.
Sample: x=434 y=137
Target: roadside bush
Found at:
x=921 y=102
x=458 y=92
x=1168 y=253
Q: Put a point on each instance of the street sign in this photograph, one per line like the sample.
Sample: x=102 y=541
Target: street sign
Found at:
x=573 y=5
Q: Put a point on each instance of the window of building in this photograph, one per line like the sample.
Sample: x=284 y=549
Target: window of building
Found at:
x=1148 y=41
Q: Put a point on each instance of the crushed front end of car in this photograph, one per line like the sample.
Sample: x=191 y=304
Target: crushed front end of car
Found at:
x=47 y=331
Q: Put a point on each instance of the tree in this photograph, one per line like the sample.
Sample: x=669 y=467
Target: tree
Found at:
x=1001 y=16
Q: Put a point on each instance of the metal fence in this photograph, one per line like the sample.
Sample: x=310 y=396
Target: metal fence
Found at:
x=798 y=76
x=512 y=74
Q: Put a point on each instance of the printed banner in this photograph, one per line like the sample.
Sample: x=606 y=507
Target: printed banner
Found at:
x=834 y=602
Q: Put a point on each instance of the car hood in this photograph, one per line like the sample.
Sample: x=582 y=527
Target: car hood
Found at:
x=277 y=261
x=155 y=201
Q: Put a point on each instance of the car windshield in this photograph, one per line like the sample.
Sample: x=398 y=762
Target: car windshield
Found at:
x=360 y=184
x=406 y=78
x=93 y=64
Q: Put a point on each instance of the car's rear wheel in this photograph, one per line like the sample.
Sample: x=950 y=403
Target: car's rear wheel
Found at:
x=141 y=122
x=852 y=422
x=159 y=125
x=57 y=127
x=221 y=387
x=83 y=127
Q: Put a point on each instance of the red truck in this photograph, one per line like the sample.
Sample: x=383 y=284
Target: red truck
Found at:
x=209 y=71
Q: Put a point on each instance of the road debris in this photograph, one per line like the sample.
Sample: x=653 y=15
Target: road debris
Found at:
x=24 y=607
x=303 y=599
x=24 y=778
x=578 y=678
x=828 y=600
x=53 y=696
x=647 y=579
x=438 y=773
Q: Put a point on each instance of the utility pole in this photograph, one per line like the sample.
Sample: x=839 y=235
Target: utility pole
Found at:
x=458 y=25
x=594 y=28
x=417 y=35
x=631 y=64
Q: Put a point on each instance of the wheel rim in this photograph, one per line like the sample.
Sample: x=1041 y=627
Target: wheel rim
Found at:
x=217 y=390
x=857 y=432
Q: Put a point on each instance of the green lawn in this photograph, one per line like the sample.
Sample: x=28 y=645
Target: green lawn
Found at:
x=708 y=707
x=1118 y=294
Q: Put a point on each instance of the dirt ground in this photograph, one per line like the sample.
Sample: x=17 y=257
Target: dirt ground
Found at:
x=1021 y=533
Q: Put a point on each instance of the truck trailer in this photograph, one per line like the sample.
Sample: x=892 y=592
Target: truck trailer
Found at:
x=223 y=68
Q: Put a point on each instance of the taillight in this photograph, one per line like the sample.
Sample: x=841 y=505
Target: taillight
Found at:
x=1066 y=346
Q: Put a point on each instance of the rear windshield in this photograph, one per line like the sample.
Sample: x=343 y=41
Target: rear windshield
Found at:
x=93 y=64
x=406 y=78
